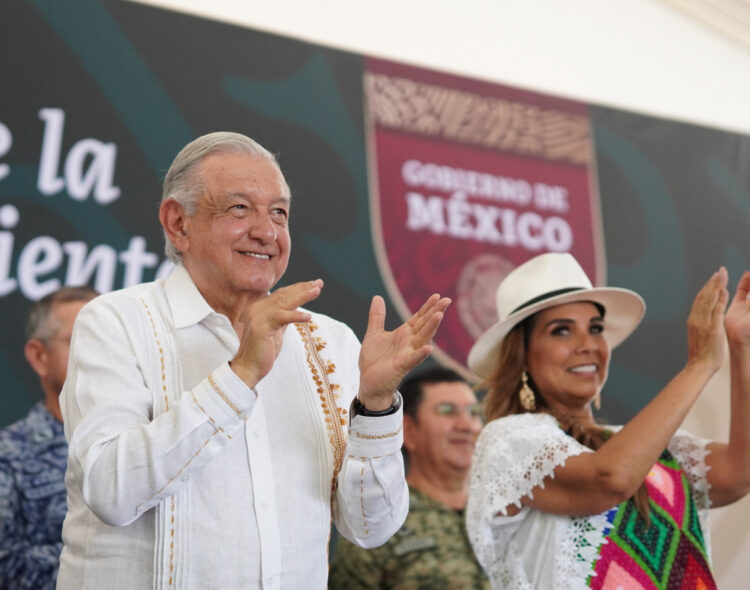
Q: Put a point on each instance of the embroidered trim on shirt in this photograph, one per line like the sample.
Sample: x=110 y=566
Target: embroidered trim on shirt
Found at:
x=374 y=456
x=171 y=541
x=163 y=374
x=161 y=355
x=210 y=419
x=335 y=417
x=377 y=436
x=224 y=397
x=362 y=496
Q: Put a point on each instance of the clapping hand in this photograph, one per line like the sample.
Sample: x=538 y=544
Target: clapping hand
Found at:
x=386 y=357
x=737 y=320
x=264 y=323
x=706 y=322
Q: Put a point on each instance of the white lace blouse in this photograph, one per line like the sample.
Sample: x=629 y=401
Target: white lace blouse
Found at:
x=534 y=549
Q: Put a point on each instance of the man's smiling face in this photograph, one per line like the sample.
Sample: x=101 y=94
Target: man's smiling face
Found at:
x=238 y=240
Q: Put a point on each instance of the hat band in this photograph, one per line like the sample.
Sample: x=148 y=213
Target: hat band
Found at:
x=544 y=296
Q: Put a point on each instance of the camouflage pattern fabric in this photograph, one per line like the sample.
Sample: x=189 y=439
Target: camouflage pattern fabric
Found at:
x=33 y=456
x=430 y=552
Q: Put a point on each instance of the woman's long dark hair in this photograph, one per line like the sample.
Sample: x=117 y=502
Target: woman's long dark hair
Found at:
x=502 y=399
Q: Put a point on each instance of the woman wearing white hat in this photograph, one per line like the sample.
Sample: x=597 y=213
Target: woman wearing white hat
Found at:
x=558 y=501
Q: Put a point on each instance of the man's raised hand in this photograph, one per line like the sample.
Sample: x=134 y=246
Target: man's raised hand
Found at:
x=264 y=325
x=386 y=357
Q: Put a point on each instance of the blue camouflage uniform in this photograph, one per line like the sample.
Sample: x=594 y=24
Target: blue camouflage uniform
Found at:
x=33 y=456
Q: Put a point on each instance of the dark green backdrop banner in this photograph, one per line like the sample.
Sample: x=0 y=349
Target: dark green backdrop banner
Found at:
x=98 y=96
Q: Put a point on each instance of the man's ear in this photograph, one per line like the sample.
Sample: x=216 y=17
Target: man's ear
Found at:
x=410 y=433
x=36 y=355
x=174 y=221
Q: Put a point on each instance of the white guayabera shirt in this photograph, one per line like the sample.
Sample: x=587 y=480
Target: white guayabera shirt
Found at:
x=180 y=476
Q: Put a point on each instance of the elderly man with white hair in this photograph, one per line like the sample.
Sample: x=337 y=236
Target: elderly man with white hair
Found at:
x=216 y=428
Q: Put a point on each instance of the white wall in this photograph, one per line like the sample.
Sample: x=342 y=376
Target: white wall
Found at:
x=638 y=55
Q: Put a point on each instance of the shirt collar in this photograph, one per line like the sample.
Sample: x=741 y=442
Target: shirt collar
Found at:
x=186 y=302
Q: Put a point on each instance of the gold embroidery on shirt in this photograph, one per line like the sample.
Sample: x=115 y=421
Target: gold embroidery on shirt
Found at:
x=171 y=543
x=210 y=419
x=374 y=456
x=335 y=417
x=377 y=436
x=223 y=396
x=362 y=496
x=166 y=409
x=161 y=355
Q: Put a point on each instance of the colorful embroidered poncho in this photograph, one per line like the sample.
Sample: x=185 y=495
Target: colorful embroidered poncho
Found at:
x=613 y=550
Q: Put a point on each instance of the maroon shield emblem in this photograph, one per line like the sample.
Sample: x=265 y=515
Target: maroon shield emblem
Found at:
x=469 y=180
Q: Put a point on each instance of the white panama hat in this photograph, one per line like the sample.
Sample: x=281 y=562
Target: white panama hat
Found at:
x=545 y=281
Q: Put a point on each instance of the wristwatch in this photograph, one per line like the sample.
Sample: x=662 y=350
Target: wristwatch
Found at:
x=359 y=410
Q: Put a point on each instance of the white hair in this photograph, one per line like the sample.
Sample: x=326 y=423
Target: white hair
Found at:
x=182 y=181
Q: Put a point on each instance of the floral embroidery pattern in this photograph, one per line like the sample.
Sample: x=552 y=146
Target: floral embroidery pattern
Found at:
x=335 y=417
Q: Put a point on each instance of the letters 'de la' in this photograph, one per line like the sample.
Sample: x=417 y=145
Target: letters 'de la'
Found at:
x=79 y=181
x=467 y=181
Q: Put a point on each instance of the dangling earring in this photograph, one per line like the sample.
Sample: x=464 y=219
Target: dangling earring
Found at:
x=526 y=394
x=598 y=402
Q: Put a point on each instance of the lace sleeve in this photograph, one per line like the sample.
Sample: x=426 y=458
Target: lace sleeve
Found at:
x=513 y=455
x=691 y=452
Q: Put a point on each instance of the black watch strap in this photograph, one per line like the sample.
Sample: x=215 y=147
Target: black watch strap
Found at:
x=359 y=410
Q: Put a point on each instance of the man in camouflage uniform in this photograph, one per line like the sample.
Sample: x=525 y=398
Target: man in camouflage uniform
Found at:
x=442 y=420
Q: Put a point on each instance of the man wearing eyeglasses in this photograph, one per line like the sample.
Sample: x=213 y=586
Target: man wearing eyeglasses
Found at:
x=442 y=420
